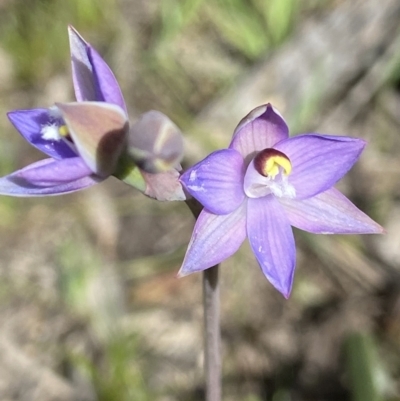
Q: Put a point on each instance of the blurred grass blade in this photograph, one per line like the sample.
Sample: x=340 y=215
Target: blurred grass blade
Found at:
x=279 y=16
x=175 y=15
x=240 y=26
x=362 y=367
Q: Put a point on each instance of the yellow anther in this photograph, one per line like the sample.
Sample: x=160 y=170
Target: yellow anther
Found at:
x=269 y=162
x=273 y=163
x=63 y=130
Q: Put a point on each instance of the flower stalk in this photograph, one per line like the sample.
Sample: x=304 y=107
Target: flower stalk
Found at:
x=212 y=331
x=212 y=334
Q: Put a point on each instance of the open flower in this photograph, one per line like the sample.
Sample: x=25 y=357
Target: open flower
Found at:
x=88 y=140
x=83 y=140
x=264 y=184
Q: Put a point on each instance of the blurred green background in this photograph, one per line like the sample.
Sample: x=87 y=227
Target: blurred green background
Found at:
x=90 y=308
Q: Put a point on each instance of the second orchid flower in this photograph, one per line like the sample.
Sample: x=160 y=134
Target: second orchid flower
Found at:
x=263 y=184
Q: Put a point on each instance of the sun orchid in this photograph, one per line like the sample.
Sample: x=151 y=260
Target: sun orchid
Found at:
x=89 y=140
x=263 y=184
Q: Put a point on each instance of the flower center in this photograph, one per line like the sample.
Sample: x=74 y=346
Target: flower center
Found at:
x=268 y=174
x=54 y=132
x=55 y=129
x=270 y=162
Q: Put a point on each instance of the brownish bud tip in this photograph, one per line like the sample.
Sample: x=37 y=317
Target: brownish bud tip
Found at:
x=155 y=143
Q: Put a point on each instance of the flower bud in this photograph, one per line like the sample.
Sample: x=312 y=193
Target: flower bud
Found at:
x=155 y=143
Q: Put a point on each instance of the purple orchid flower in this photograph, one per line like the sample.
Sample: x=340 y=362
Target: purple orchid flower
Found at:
x=86 y=140
x=263 y=184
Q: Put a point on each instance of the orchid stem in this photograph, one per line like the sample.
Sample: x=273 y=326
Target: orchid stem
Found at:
x=212 y=335
x=212 y=332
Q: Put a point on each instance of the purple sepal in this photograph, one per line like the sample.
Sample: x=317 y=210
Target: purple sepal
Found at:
x=319 y=161
x=214 y=239
x=30 y=123
x=92 y=77
x=18 y=183
x=271 y=239
x=54 y=172
x=217 y=181
x=329 y=212
x=262 y=128
x=107 y=85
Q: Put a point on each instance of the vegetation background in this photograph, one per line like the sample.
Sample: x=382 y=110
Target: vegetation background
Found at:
x=90 y=308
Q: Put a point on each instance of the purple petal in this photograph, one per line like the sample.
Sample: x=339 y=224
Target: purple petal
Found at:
x=319 y=161
x=18 y=183
x=55 y=172
x=214 y=239
x=329 y=213
x=82 y=70
x=262 y=128
x=92 y=77
x=30 y=124
x=217 y=181
x=271 y=239
x=106 y=82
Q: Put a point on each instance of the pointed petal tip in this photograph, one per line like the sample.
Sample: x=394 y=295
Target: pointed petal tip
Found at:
x=185 y=271
x=285 y=289
x=181 y=274
x=271 y=108
x=286 y=294
x=361 y=142
x=252 y=115
x=13 y=114
x=379 y=230
x=73 y=32
x=375 y=228
x=262 y=128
